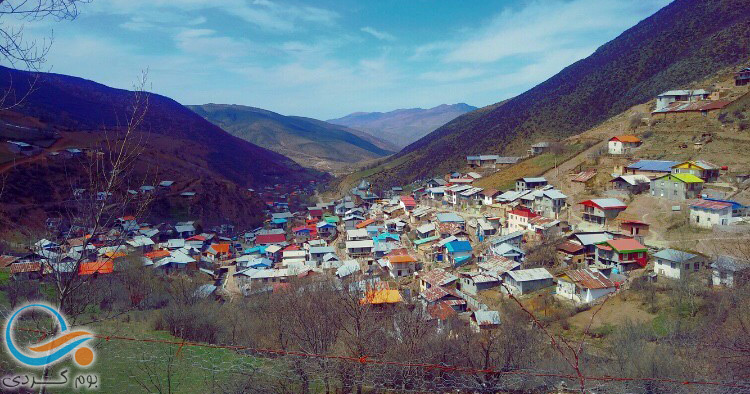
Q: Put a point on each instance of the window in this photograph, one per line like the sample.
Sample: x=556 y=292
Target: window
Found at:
x=696 y=266
x=671 y=265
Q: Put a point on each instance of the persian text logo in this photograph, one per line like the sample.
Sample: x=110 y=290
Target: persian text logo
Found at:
x=54 y=350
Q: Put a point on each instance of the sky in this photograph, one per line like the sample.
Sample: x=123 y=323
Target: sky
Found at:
x=328 y=58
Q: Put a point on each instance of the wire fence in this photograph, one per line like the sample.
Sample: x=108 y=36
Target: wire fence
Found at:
x=164 y=365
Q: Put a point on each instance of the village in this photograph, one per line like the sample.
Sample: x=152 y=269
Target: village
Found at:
x=445 y=243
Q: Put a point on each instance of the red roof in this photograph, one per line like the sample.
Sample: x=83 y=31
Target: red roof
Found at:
x=713 y=205
x=625 y=245
x=128 y=217
x=590 y=279
x=626 y=138
x=523 y=212
x=270 y=239
x=401 y=259
x=17 y=268
x=290 y=248
x=102 y=267
x=635 y=222
x=157 y=254
x=441 y=311
x=584 y=176
x=408 y=201
x=196 y=238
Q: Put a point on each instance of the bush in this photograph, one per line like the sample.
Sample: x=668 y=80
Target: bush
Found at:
x=200 y=322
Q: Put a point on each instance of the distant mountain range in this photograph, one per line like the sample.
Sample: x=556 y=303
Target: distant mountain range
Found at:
x=668 y=50
x=403 y=126
x=181 y=145
x=310 y=142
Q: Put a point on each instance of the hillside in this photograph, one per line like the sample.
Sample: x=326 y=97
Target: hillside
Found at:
x=403 y=126
x=71 y=112
x=673 y=47
x=309 y=142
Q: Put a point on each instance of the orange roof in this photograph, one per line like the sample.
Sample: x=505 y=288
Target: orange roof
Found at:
x=156 y=254
x=626 y=138
x=401 y=259
x=220 y=248
x=115 y=255
x=128 y=217
x=102 y=267
x=384 y=296
x=365 y=223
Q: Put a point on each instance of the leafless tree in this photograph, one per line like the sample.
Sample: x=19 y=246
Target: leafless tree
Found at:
x=92 y=232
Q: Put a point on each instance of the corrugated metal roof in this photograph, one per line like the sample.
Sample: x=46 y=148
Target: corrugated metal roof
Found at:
x=711 y=205
x=484 y=318
x=530 y=274
x=677 y=256
x=589 y=279
x=653 y=165
x=437 y=277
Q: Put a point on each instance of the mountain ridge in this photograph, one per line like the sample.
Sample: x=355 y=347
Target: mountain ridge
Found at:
x=405 y=125
x=672 y=48
x=308 y=141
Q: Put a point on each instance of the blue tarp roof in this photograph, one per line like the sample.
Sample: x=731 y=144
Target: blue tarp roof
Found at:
x=653 y=165
x=735 y=204
x=278 y=221
x=458 y=246
x=461 y=259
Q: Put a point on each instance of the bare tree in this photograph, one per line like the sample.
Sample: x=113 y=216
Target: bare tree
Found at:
x=105 y=206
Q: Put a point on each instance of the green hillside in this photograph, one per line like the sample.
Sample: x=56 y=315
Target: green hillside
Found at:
x=683 y=42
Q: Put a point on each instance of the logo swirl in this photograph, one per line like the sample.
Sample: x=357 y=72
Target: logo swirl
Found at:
x=55 y=349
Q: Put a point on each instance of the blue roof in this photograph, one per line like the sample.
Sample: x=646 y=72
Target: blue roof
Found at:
x=385 y=236
x=461 y=259
x=458 y=246
x=278 y=221
x=449 y=217
x=653 y=165
x=735 y=204
x=674 y=255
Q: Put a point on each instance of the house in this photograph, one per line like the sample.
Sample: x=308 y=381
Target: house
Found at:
x=436 y=182
x=407 y=203
x=426 y=230
x=742 y=77
x=26 y=271
x=529 y=183
x=584 y=285
x=471 y=197
x=487 y=161
x=505 y=161
x=701 y=169
x=677 y=186
x=707 y=213
x=352 y=220
x=317 y=253
x=485 y=320
x=624 y=254
x=185 y=229
x=665 y=99
x=546 y=201
x=359 y=234
x=729 y=271
x=458 y=252
x=633 y=184
x=518 y=219
x=589 y=240
x=166 y=184
x=270 y=239
x=691 y=109
x=452 y=193
x=326 y=229
x=436 y=193
x=141 y=243
x=473 y=282
x=437 y=294
x=539 y=148
x=623 y=144
x=571 y=253
x=602 y=210
x=217 y=252
x=436 y=277
x=676 y=264
x=634 y=228
x=450 y=217
x=484 y=229
x=488 y=196
x=497 y=266
x=526 y=281
x=361 y=248
x=650 y=168
x=400 y=265
x=381 y=298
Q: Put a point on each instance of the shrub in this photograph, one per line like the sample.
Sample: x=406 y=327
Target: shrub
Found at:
x=200 y=322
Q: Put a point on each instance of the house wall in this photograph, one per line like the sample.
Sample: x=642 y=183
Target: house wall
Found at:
x=468 y=286
x=707 y=219
x=727 y=280
x=674 y=270
x=675 y=190
x=594 y=294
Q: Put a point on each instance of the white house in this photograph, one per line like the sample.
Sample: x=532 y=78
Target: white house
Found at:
x=623 y=144
x=706 y=214
x=584 y=285
x=729 y=271
x=676 y=264
x=663 y=100
x=359 y=248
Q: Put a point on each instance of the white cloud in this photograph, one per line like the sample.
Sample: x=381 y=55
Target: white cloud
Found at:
x=451 y=75
x=380 y=35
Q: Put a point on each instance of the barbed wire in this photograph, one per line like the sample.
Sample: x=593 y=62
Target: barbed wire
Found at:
x=168 y=365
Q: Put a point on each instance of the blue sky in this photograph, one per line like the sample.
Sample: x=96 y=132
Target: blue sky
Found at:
x=328 y=58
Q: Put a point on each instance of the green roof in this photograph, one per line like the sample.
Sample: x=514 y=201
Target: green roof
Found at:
x=331 y=219
x=686 y=178
x=425 y=240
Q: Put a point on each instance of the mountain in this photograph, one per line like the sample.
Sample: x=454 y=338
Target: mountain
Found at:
x=403 y=126
x=179 y=144
x=310 y=142
x=668 y=50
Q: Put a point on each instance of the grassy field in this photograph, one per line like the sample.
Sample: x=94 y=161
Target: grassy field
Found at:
x=534 y=166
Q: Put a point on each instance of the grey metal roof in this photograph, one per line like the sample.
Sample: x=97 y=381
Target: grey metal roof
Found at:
x=677 y=256
x=594 y=238
x=321 y=249
x=534 y=179
x=530 y=274
x=728 y=263
x=449 y=217
x=487 y=317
